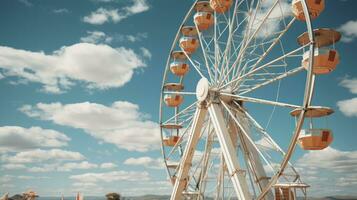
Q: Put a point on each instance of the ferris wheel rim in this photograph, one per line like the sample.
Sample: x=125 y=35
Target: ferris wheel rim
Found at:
x=309 y=87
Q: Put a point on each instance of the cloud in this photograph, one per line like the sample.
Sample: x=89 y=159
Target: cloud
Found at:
x=69 y=166
x=61 y=11
x=121 y=123
x=348 y=107
x=349 y=31
x=108 y=165
x=138 y=7
x=146 y=53
x=82 y=62
x=331 y=159
x=273 y=23
x=26 y=3
x=12 y=166
x=111 y=176
x=96 y=37
x=329 y=171
x=39 y=155
x=350 y=83
x=131 y=38
x=73 y=165
x=104 y=1
x=15 y=138
x=99 y=37
x=103 y=15
x=145 y=162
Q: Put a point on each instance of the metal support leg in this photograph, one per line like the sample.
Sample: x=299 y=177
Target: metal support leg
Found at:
x=230 y=155
x=254 y=157
x=186 y=160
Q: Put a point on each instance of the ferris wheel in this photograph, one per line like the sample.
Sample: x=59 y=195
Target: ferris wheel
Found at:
x=231 y=61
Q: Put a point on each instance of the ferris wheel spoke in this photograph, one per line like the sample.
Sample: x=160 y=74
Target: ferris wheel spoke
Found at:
x=260 y=101
x=231 y=31
x=200 y=37
x=276 y=41
x=250 y=39
x=253 y=149
x=182 y=112
x=179 y=92
x=272 y=80
x=193 y=63
x=267 y=65
x=268 y=137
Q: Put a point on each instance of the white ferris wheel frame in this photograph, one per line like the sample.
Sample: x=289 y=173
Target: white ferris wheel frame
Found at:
x=217 y=119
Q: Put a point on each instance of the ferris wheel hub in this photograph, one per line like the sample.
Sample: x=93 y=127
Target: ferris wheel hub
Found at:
x=202 y=89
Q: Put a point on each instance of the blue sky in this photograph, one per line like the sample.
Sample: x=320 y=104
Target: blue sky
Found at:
x=80 y=89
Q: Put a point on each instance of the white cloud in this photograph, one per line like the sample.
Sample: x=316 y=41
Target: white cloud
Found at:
x=131 y=38
x=111 y=176
x=329 y=171
x=349 y=31
x=26 y=3
x=99 y=66
x=348 y=107
x=146 y=53
x=108 y=165
x=39 y=155
x=96 y=37
x=15 y=138
x=145 y=162
x=350 y=83
x=12 y=166
x=61 y=11
x=331 y=159
x=138 y=7
x=73 y=165
x=121 y=123
x=69 y=166
x=102 y=15
x=273 y=23
x=104 y=1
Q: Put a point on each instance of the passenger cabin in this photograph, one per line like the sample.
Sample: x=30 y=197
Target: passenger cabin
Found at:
x=312 y=138
x=171 y=140
x=173 y=100
x=204 y=18
x=287 y=191
x=325 y=57
x=173 y=87
x=315 y=139
x=284 y=194
x=179 y=67
x=221 y=6
x=313 y=112
x=315 y=8
x=171 y=126
x=172 y=165
x=189 y=44
x=325 y=60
